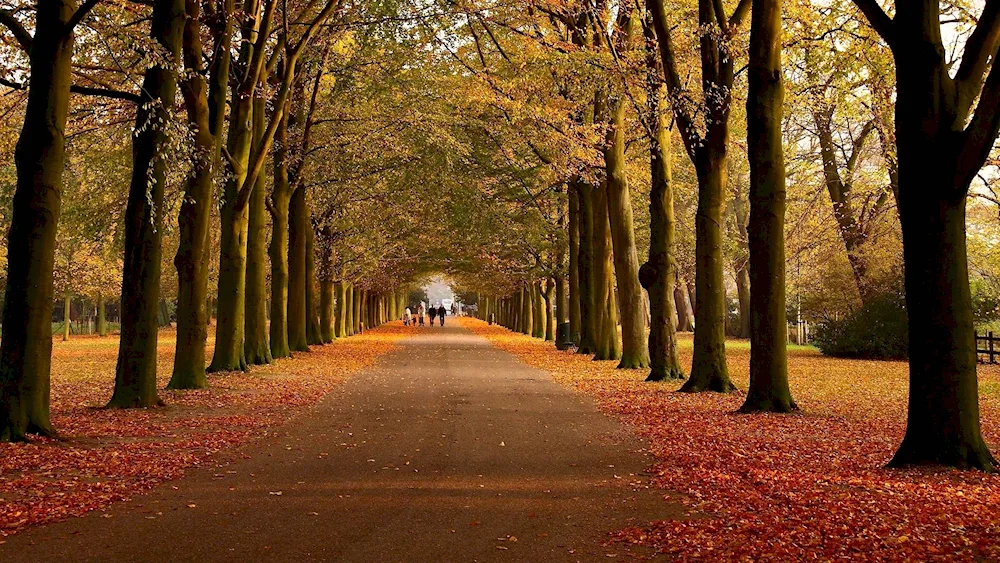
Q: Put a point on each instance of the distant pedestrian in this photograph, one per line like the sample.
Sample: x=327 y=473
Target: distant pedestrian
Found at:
x=433 y=313
x=407 y=317
x=441 y=313
x=420 y=313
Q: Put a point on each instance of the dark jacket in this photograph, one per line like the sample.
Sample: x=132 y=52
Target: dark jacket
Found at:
x=442 y=311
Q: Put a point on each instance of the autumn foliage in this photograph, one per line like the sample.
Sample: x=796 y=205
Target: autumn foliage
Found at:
x=114 y=454
x=807 y=486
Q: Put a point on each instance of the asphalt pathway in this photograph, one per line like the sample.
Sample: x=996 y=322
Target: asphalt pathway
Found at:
x=447 y=450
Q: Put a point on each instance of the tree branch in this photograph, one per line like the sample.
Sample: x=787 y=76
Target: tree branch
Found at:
x=739 y=14
x=979 y=49
x=8 y=20
x=81 y=13
x=685 y=124
x=83 y=90
x=878 y=19
x=978 y=138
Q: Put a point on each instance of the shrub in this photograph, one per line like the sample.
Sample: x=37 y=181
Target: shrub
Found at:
x=878 y=331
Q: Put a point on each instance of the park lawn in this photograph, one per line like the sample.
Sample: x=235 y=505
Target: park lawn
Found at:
x=110 y=455
x=806 y=486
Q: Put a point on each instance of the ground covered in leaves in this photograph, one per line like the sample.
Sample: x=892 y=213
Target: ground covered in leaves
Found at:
x=106 y=456
x=806 y=486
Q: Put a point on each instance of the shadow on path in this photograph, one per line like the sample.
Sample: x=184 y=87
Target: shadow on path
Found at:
x=447 y=450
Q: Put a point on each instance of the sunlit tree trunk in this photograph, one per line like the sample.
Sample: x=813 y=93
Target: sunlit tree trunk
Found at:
x=659 y=274
x=102 y=322
x=550 y=298
x=768 y=389
x=635 y=352
x=602 y=276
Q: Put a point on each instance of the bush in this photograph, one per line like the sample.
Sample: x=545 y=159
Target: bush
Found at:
x=876 y=331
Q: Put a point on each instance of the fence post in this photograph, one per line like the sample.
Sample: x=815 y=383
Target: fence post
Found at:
x=990 y=336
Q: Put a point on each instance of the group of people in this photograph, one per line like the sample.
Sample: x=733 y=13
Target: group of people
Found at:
x=438 y=311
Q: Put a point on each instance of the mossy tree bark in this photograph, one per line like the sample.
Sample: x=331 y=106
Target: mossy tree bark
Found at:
x=205 y=102
x=349 y=328
x=331 y=297
x=602 y=282
x=708 y=152
x=356 y=298
x=257 y=346
x=768 y=390
x=659 y=274
x=942 y=145
x=340 y=323
x=26 y=347
x=135 y=374
x=635 y=353
x=549 y=296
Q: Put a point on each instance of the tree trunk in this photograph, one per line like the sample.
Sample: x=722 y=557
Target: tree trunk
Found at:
x=659 y=274
x=102 y=322
x=135 y=374
x=229 y=352
x=708 y=370
x=257 y=347
x=349 y=327
x=297 y=226
x=768 y=390
x=585 y=271
x=538 y=309
x=685 y=318
x=602 y=281
x=357 y=295
x=550 y=319
x=67 y=314
x=635 y=353
x=278 y=249
x=312 y=299
x=340 y=326
x=574 y=263
x=26 y=347
x=331 y=310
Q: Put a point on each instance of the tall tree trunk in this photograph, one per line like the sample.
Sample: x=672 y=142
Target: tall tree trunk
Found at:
x=537 y=310
x=659 y=274
x=67 y=314
x=281 y=196
x=331 y=311
x=256 y=346
x=205 y=105
x=738 y=231
x=357 y=296
x=635 y=353
x=349 y=326
x=685 y=317
x=340 y=325
x=708 y=370
x=297 y=226
x=549 y=296
x=229 y=352
x=768 y=391
x=102 y=321
x=26 y=347
x=586 y=264
x=135 y=374
x=574 y=263
x=602 y=284
x=312 y=299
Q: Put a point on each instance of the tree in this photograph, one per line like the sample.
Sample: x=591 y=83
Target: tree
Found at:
x=941 y=146
x=768 y=389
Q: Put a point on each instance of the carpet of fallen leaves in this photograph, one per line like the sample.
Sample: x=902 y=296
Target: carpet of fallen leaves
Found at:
x=105 y=456
x=806 y=486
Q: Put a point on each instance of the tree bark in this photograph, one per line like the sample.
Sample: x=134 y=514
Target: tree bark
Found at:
x=67 y=315
x=312 y=299
x=635 y=353
x=659 y=274
x=574 y=263
x=297 y=226
x=281 y=195
x=768 y=390
x=102 y=322
x=602 y=281
x=549 y=295
x=26 y=347
x=257 y=346
x=135 y=374
x=538 y=310
x=340 y=326
x=205 y=104
x=349 y=326
x=331 y=311
x=586 y=264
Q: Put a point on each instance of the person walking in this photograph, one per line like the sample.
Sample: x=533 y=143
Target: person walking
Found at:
x=441 y=313
x=420 y=313
x=407 y=317
x=433 y=313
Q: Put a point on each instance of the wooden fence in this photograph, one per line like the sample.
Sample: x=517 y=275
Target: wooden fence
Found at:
x=987 y=347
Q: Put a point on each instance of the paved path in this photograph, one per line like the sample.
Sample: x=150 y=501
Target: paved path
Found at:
x=447 y=450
